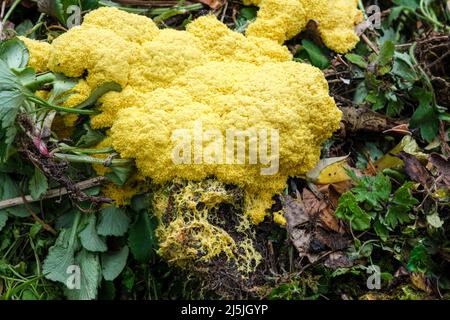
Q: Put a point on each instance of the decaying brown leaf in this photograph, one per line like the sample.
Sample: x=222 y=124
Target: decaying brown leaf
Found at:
x=314 y=229
x=363 y=119
x=443 y=167
x=416 y=170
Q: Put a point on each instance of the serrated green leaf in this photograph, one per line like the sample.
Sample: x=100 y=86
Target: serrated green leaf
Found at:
x=113 y=263
x=119 y=175
x=89 y=264
x=113 y=222
x=142 y=239
x=38 y=184
x=89 y=238
x=348 y=209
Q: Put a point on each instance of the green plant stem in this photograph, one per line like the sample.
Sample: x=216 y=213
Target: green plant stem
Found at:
x=92 y=160
x=67 y=148
x=46 y=104
x=40 y=81
x=11 y=10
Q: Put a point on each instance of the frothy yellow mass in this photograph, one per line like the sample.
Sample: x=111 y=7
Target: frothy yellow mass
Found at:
x=281 y=20
x=171 y=79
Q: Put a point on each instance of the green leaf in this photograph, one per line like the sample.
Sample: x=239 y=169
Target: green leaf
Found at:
x=61 y=86
x=142 y=239
x=90 y=138
x=386 y=53
x=119 y=175
x=60 y=257
x=98 y=92
x=9 y=190
x=315 y=54
x=373 y=190
x=425 y=117
x=404 y=197
x=348 y=209
x=419 y=259
x=38 y=184
x=14 y=53
x=357 y=60
x=89 y=264
x=396 y=215
x=114 y=263
x=3 y=219
x=113 y=222
x=90 y=239
x=434 y=220
x=11 y=98
x=381 y=230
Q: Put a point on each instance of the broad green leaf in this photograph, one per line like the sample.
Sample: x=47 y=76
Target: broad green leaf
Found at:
x=9 y=190
x=315 y=54
x=419 y=259
x=113 y=263
x=3 y=219
x=357 y=60
x=14 y=53
x=89 y=238
x=89 y=264
x=113 y=222
x=38 y=184
x=425 y=117
x=60 y=257
x=386 y=53
x=119 y=175
x=142 y=239
x=404 y=197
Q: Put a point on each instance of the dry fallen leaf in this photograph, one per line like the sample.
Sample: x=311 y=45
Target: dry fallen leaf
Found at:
x=415 y=170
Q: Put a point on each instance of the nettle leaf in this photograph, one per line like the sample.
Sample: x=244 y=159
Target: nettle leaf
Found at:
x=89 y=264
x=316 y=56
x=89 y=238
x=113 y=263
x=38 y=184
x=142 y=239
x=348 y=209
x=3 y=219
x=14 y=53
x=113 y=222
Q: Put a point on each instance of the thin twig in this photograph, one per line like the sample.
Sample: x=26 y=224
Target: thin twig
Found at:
x=52 y=193
x=35 y=216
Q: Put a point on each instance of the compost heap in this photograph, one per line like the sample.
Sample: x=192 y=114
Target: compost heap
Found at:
x=172 y=79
